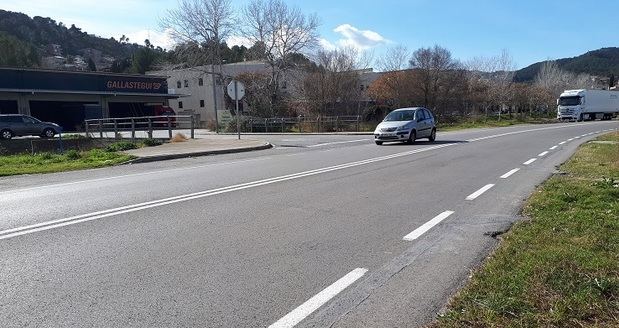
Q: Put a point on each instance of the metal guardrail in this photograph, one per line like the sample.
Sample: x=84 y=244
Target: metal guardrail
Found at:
x=146 y=124
x=310 y=124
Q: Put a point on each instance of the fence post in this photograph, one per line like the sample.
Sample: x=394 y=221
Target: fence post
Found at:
x=299 y=124
x=169 y=127
x=100 y=129
x=132 y=129
x=116 y=130
x=150 y=128
x=86 y=129
x=192 y=128
x=251 y=125
x=358 y=123
x=337 y=123
x=282 y=124
x=266 y=128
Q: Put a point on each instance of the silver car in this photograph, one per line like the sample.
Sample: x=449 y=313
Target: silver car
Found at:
x=12 y=125
x=407 y=125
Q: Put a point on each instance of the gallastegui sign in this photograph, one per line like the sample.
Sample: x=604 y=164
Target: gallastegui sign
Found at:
x=24 y=79
x=133 y=85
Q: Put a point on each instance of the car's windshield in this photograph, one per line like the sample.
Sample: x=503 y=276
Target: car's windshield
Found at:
x=569 y=101
x=400 y=115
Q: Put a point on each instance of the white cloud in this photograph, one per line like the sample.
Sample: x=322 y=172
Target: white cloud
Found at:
x=158 y=39
x=359 y=39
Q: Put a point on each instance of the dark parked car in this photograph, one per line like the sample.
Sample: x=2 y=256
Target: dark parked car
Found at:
x=12 y=125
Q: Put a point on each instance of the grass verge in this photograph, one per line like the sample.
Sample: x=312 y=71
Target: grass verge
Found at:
x=561 y=267
x=70 y=160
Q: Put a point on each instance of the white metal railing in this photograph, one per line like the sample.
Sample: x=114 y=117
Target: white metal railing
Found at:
x=146 y=124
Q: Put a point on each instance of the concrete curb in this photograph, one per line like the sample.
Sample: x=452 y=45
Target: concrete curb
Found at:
x=155 y=158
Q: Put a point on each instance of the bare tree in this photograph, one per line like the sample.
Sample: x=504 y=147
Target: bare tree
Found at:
x=491 y=78
x=199 y=27
x=281 y=31
x=432 y=64
x=334 y=81
x=555 y=79
x=199 y=24
x=395 y=59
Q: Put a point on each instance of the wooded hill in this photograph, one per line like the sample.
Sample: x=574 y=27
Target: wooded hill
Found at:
x=602 y=62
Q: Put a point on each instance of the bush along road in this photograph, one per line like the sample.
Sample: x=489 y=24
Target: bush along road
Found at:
x=560 y=267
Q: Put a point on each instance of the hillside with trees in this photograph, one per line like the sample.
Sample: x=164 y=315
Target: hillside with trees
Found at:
x=602 y=62
x=45 y=43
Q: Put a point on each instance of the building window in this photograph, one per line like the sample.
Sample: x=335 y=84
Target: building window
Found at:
x=200 y=82
x=186 y=84
x=178 y=84
x=180 y=104
x=201 y=103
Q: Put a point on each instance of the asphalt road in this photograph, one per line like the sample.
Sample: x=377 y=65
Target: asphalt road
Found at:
x=319 y=231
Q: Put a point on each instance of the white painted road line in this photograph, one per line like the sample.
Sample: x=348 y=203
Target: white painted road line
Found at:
x=10 y=233
x=553 y=147
x=509 y=174
x=338 y=142
x=297 y=315
x=542 y=154
x=427 y=226
x=523 y=131
x=479 y=192
x=562 y=142
x=530 y=161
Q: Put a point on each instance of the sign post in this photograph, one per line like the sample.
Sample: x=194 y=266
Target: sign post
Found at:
x=236 y=91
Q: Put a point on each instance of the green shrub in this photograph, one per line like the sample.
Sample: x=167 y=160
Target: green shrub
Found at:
x=74 y=137
x=121 y=146
x=152 y=142
x=72 y=154
x=46 y=156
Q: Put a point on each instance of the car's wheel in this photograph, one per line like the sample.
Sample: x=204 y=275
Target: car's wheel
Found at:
x=412 y=137
x=6 y=134
x=581 y=118
x=378 y=142
x=432 y=136
x=48 y=133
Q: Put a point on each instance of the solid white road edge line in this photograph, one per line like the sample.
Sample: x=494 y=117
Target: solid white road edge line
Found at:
x=523 y=131
x=542 y=154
x=509 y=174
x=479 y=192
x=14 y=232
x=530 y=161
x=302 y=311
x=427 y=226
x=553 y=147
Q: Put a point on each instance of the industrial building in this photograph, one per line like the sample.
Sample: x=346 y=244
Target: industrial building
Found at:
x=68 y=98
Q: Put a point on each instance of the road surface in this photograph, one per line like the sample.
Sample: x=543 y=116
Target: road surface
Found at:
x=319 y=231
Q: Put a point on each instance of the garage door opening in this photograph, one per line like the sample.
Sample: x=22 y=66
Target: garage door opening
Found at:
x=69 y=115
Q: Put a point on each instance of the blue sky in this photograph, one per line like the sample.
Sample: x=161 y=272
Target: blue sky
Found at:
x=530 y=30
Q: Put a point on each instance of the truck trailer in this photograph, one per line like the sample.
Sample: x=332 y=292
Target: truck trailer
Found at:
x=583 y=105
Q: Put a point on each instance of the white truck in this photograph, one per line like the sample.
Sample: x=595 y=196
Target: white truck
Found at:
x=583 y=105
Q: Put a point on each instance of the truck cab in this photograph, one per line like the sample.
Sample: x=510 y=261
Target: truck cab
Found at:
x=570 y=105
